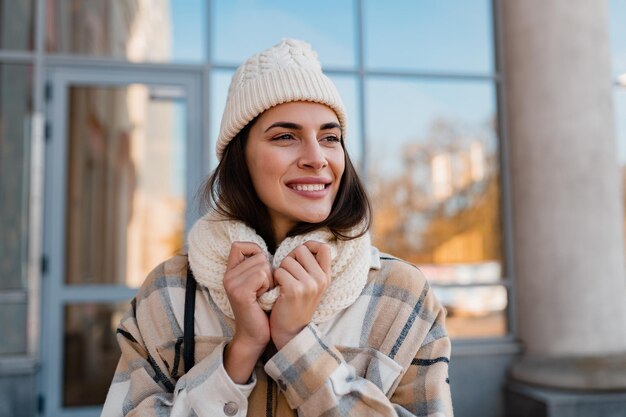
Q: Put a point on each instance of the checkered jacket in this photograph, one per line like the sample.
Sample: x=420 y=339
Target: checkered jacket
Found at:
x=386 y=355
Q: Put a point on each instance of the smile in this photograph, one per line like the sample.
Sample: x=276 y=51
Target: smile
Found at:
x=308 y=187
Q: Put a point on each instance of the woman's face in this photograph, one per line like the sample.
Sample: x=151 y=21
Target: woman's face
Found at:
x=296 y=161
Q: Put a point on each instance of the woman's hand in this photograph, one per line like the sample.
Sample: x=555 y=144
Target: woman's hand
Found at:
x=248 y=275
x=303 y=277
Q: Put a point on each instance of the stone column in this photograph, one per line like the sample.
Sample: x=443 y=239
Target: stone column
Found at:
x=568 y=221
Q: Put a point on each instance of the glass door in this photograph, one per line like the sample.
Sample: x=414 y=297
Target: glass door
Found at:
x=122 y=165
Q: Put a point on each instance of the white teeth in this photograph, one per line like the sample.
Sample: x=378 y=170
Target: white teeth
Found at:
x=308 y=187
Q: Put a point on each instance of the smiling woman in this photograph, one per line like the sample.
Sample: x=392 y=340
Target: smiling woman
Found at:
x=294 y=312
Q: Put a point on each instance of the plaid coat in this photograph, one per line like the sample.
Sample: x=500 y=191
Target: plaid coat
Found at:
x=386 y=355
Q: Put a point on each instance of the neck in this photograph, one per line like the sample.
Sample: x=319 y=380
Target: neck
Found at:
x=280 y=230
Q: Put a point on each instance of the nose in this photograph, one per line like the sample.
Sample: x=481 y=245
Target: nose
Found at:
x=312 y=155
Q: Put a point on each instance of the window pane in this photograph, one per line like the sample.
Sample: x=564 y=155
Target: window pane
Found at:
x=12 y=328
x=220 y=81
x=16 y=24
x=348 y=89
x=242 y=28
x=474 y=312
x=126 y=201
x=617 y=13
x=433 y=175
x=90 y=352
x=138 y=31
x=15 y=110
x=429 y=35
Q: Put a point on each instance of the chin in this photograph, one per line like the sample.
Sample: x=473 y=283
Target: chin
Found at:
x=315 y=218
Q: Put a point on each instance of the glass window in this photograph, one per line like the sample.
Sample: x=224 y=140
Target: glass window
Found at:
x=12 y=328
x=348 y=89
x=126 y=181
x=91 y=351
x=617 y=13
x=134 y=30
x=15 y=111
x=220 y=80
x=16 y=24
x=475 y=312
x=433 y=175
x=242 y=28
x=429 y=35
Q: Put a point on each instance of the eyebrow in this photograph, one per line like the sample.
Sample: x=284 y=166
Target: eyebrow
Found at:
x=295 y=126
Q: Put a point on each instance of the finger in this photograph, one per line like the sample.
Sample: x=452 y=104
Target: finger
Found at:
x=322 y=254
x=239 y=251
x=258 y=278
x=295 y=268
x=268 y=280
x=304 y=256
x=248 y=270
x=253 y=263
x=252 y=281
x=284 y=279
x=270 y=273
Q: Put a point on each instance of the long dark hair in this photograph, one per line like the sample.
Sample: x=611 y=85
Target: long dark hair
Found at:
x=230 y=191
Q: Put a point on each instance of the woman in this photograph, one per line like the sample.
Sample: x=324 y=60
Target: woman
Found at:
x=295 y=312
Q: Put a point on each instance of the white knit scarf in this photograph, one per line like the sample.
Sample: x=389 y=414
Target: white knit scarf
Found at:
x=210 y=240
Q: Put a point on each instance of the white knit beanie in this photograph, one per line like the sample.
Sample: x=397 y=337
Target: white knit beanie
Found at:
x=289 y=71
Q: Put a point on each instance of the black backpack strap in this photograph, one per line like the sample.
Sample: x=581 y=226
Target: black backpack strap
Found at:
x=188 y=331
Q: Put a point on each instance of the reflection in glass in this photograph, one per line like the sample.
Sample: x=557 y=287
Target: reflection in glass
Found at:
x=15 y=111
x=433 y=175
x=16 y=24
x=13 y=328
x=617 y=17
x=429 y=35
x=134 y=30
x=125 y=203
x=474 y=312
x=90 y=352
x=329 y=25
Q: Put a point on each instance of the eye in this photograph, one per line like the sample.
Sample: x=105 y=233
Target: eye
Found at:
x=283 y=136
x=331 y=139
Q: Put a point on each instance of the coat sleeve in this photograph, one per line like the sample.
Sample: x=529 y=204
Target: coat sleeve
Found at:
x=317 y=380
x=141 y=387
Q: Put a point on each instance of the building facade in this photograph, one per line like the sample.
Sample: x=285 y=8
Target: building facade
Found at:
x=491 y=135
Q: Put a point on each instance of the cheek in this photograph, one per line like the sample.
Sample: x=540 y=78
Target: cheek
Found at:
x=260 y=177
x=265 y=170
x=338 y=165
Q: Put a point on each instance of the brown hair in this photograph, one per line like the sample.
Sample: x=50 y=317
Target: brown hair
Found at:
x=230 y=191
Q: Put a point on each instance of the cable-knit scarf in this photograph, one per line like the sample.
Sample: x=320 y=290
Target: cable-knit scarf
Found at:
x=210 y=240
